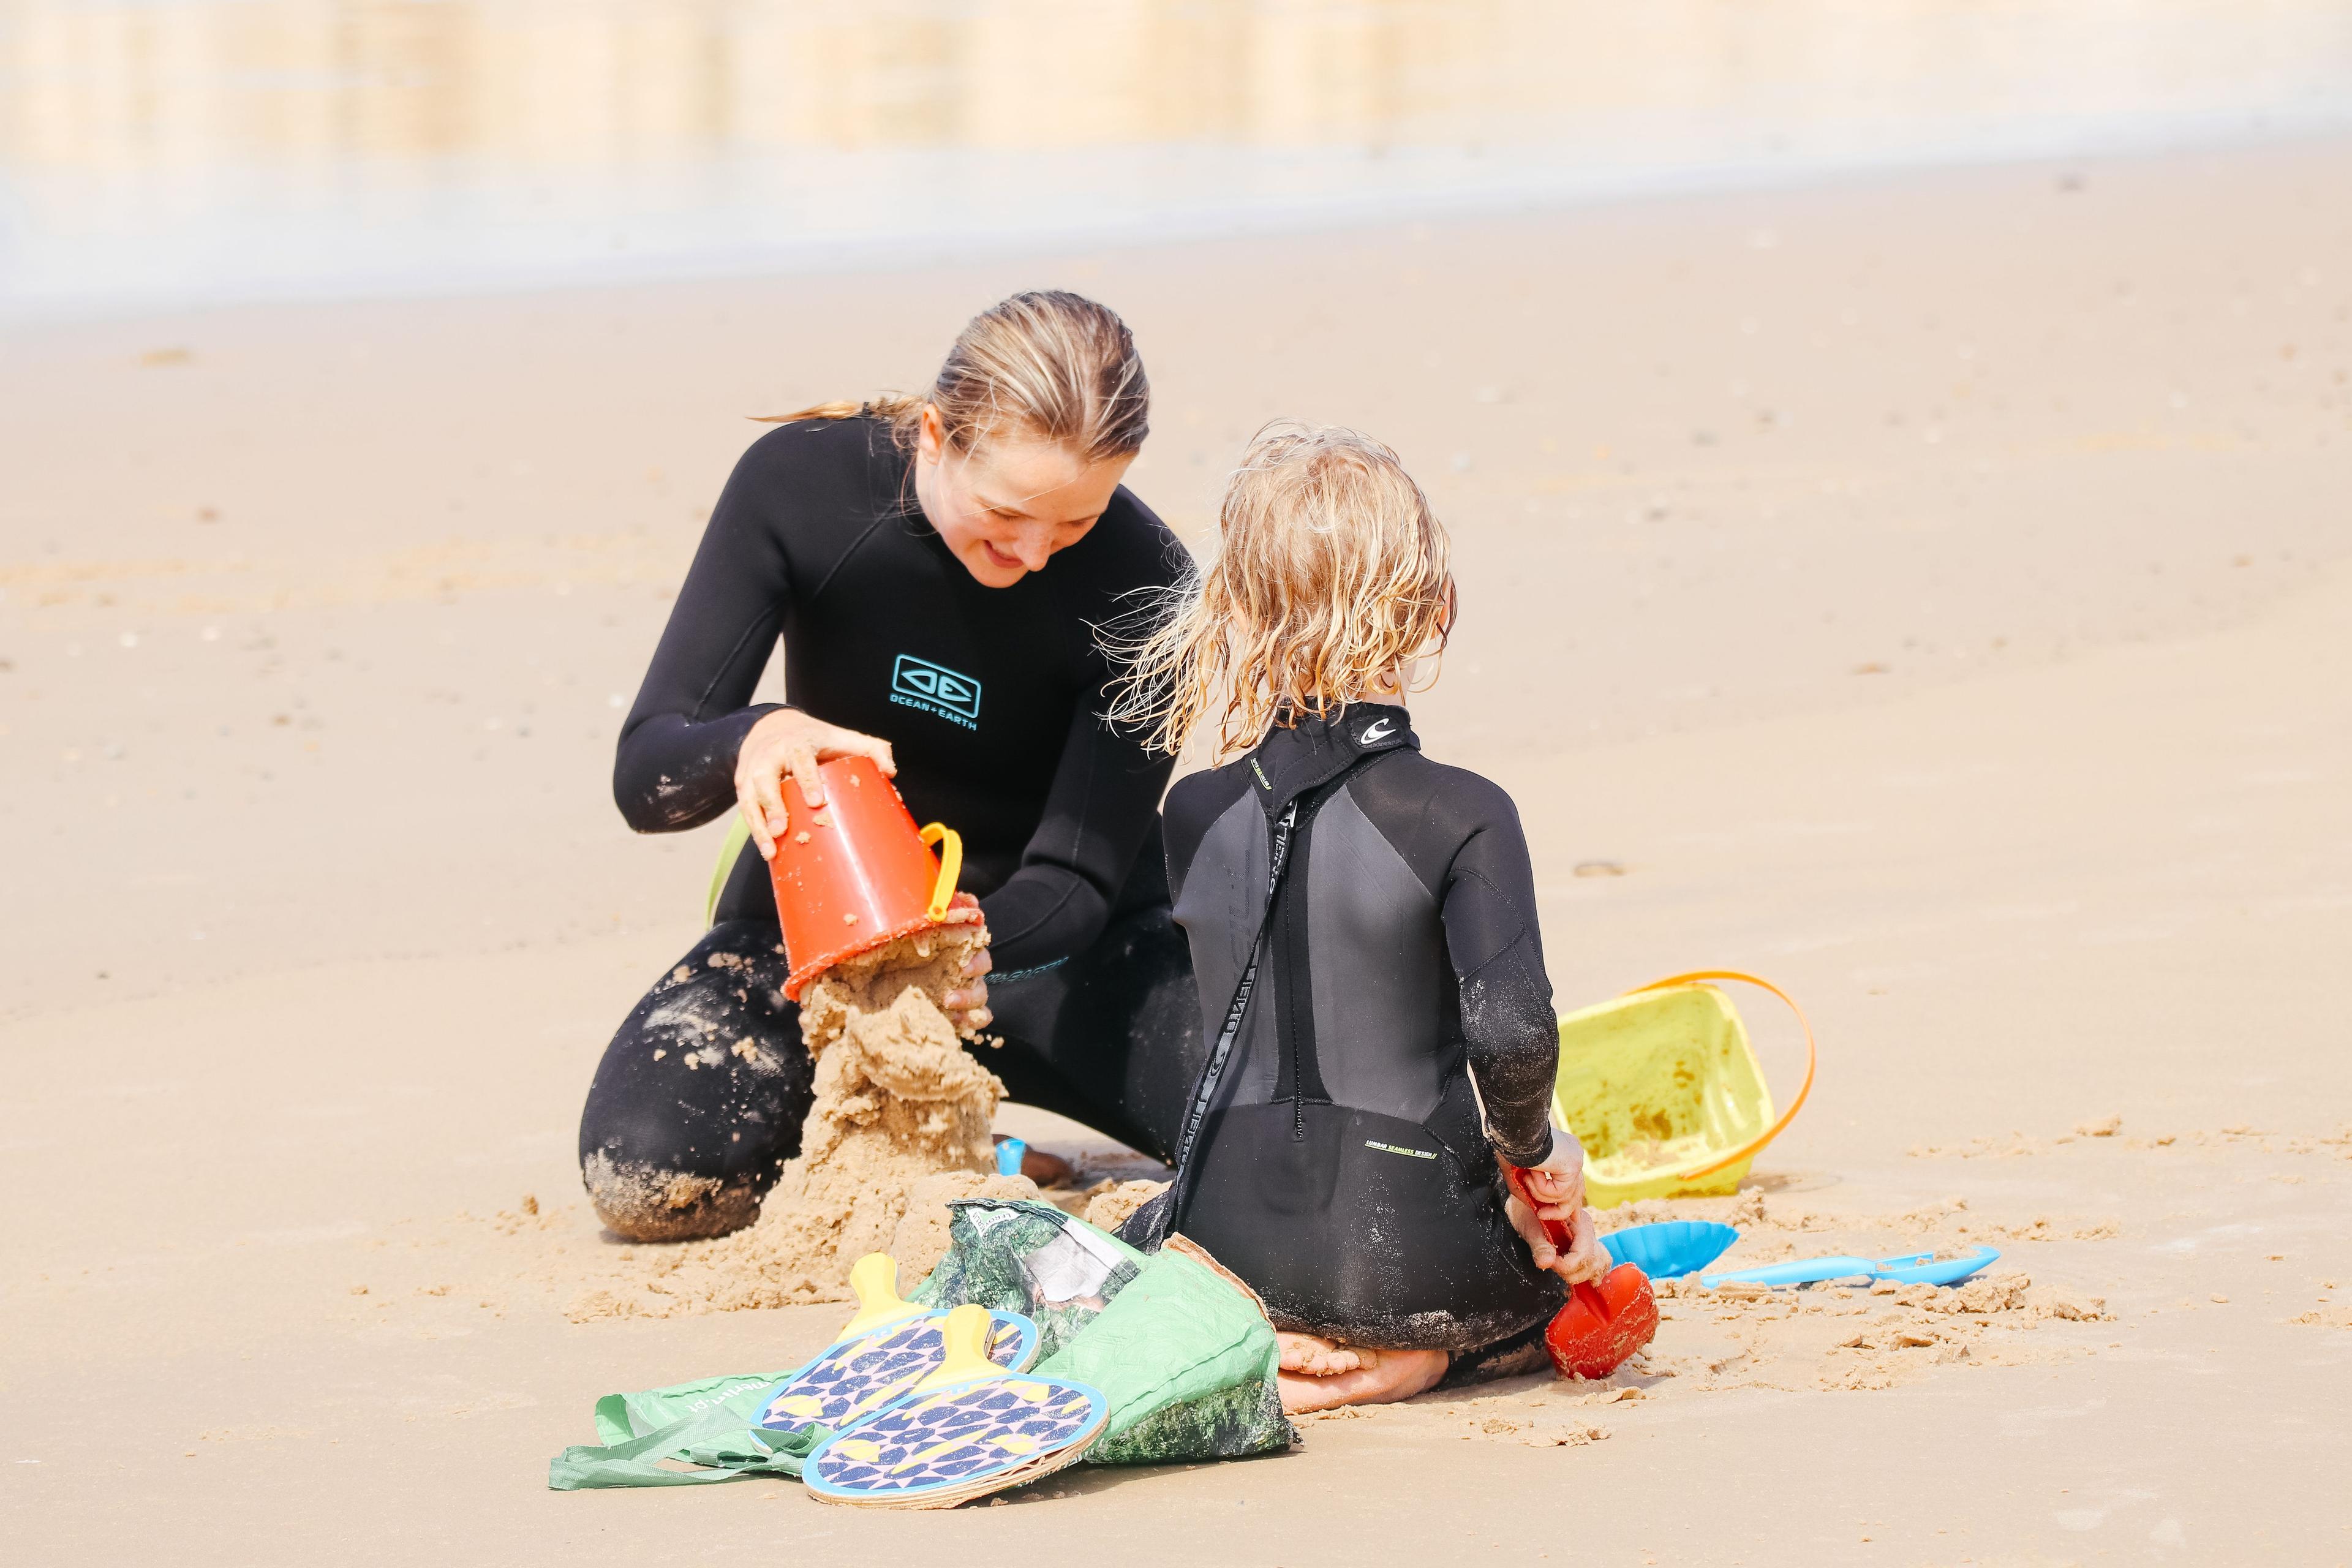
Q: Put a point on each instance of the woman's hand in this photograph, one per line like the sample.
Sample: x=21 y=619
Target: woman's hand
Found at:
x=968 y=1005
x=790 y=742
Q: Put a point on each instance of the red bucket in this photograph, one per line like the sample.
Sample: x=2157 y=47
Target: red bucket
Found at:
x=856 y=872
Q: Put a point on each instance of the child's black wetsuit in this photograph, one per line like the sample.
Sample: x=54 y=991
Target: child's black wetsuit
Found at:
x=989 y=698
x=1339 y=1162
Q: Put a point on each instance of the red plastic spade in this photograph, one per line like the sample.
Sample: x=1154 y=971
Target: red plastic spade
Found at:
x=1604 y=1321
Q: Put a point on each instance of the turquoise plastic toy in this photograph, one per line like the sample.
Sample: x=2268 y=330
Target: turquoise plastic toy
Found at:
x=1670 y=1248
x=1909 y=1268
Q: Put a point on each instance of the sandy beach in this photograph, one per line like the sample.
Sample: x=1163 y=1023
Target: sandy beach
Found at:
x=1932 y=593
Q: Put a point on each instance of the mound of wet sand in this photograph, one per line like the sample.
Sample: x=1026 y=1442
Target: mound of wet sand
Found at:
x=899 y=1128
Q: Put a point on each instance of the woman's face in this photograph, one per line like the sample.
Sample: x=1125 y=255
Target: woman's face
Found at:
x=1008 y=504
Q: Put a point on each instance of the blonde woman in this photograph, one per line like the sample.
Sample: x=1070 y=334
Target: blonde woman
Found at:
x=1362 y=926
x=932 y=566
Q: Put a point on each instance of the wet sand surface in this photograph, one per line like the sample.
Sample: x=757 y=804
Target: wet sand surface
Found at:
x=1932 y=593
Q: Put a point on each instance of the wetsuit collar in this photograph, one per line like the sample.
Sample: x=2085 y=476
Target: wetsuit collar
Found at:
x=1313 y=752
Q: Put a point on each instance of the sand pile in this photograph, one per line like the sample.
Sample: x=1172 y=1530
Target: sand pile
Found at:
x=1108 y=1203
x=899 y=1126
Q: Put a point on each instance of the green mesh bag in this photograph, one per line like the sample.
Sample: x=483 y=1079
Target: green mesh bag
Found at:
x=1180 y=1350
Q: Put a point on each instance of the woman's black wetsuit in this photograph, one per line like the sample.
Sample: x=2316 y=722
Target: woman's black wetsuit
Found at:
x=989 y=698
x=1339 y=1160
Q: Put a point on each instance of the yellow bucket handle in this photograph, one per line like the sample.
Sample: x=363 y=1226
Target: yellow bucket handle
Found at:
x=1748 y=1149
x=942 y=890
x=951 y=866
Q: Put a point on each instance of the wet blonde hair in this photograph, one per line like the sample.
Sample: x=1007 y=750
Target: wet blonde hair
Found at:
x=1052 y=365
x=1330 y=570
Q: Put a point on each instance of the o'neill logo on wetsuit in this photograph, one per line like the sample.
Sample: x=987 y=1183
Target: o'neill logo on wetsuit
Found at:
x=935 y=689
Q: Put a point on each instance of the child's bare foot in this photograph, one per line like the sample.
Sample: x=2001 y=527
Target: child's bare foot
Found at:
x=1311 y=1355
x=1358 y=1374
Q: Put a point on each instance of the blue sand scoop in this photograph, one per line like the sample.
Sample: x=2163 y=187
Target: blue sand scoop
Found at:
x=1909 y=1268
x=1670 y=1248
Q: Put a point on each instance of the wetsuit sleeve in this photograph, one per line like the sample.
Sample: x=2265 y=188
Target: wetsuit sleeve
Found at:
x=1507 y=1026
x=676 y=765
x=1105 y=794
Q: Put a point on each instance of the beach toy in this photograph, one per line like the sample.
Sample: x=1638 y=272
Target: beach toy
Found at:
x=1671 y=1248
x=1664 y=1090
x=967 y=1429
x=856 y=872
x=1605 y=1321
x=1009 y=1153
x=1909 y=1268
x=879 y=1355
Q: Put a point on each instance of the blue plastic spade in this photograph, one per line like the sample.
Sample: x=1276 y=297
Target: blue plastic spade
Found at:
x=1909 y=1268
x=1670 y=1248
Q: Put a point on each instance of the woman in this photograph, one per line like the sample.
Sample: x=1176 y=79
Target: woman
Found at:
x=934 y=567
x=1362 y=923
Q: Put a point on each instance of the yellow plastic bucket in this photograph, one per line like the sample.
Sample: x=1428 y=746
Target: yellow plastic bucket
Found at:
x=1664 y=1090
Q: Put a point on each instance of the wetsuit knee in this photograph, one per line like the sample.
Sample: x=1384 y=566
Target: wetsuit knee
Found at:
x=639 y=1201
x=700 y=1095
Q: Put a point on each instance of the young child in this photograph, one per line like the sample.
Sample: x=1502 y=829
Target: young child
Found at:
x=1362 y=925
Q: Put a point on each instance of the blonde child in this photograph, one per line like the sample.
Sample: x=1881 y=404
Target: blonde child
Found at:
x=1362 y=926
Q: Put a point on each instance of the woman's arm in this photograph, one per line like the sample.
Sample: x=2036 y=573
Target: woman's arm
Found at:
x=676 y=765
x=1105 y=794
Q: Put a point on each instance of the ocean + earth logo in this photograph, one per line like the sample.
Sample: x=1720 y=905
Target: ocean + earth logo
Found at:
x=935 y=689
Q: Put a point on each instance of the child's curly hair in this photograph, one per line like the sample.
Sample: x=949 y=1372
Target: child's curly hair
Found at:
x=1330 y=570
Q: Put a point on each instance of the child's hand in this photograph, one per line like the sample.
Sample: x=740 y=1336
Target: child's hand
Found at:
x=1558 y=1187
x=1586 y=1257
x=1558 y=1184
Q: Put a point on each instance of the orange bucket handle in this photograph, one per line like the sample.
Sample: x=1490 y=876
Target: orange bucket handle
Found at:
x=951 y=867
x=1748 y=1149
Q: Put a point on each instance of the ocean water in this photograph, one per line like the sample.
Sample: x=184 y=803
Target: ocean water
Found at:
x=156 y=151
